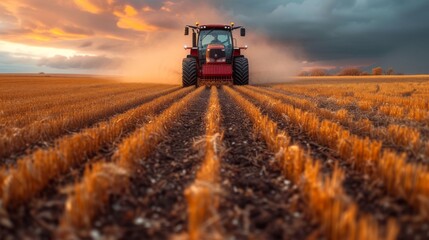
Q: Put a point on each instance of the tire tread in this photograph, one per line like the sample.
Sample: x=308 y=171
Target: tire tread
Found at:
x=189 y=72
x=241 y=71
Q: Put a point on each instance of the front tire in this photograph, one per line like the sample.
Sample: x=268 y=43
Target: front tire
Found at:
x=189 y=72
x=241 y=71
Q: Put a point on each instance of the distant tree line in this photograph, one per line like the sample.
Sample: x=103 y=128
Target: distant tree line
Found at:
x=349 y=72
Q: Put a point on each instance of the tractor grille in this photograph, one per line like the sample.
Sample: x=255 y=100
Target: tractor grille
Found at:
x=217 y=54
x=217 y=70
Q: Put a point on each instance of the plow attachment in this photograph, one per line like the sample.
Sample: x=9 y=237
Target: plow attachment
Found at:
x=215 y=81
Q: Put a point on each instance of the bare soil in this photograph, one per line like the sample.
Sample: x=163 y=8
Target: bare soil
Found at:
x=370 y=196
x=377 y=120
x=155 y=207
x=258 y=203
x=40 y=217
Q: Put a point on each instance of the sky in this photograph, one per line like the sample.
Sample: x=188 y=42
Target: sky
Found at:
x=121 y=36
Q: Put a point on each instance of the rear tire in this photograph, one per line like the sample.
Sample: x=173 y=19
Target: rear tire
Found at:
x=189 y=72
x=241 y=71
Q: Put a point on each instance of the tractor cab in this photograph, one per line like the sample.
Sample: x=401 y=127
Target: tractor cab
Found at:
x=214 y=58
x=215 y=43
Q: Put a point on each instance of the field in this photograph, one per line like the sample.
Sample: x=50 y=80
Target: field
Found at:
x=315 y=158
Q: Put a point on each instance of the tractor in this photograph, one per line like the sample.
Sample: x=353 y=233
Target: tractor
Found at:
x=214 y=57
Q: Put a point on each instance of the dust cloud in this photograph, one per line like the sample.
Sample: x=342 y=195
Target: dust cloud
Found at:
x=269 y=62
x=158 y=59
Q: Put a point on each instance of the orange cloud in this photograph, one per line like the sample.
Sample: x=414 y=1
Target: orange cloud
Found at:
x=57 y=33
x=11 y=6
x=110 y=28
x=88 y=6
x=38 y=37
x=60 y=33
x=130 y=11
x=129 y=19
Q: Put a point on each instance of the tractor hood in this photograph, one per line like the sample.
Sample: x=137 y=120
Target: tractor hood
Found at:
x=215 y=53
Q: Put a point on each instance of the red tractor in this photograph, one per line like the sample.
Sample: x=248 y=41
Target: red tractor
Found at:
x=214 y=57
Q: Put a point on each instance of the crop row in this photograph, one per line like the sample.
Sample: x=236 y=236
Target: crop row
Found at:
x=405 y=108
x=47 y=130
x=16 y=122
x=364 y=154
x=398 y=94
x=203 y=195
x=34 y=172
x=103 y=179
x=327 y=202
x=402 y=136
x=47 y=101
x=39 y=88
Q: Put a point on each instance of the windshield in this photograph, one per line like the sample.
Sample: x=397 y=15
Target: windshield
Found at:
x=215 y=36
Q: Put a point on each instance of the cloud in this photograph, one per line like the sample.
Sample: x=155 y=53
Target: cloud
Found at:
x=332 y=31
x=129 y=19
x=88 y=6
x=339 y=29
x=86 y=44
x=80 y=62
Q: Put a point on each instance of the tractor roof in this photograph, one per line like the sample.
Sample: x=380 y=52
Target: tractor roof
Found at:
x=215 y=26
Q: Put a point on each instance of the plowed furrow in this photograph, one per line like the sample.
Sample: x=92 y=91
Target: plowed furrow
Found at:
x=203 y=195
x=155 y=206
x=34 y=172
x=398 y=138
x=257 y=202
x=368 y=191
x=39 y=218
x=359 y=110
x=371 y=197
x=42 y=132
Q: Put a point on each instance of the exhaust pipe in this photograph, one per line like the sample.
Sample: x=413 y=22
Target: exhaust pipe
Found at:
x=194 y=39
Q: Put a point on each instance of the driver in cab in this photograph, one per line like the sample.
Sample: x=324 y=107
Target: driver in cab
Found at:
x=216 y=39
x=216 y=50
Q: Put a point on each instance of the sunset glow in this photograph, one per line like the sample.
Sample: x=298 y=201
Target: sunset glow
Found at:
x=321 y=34
x=104 y=30
x=27 y=51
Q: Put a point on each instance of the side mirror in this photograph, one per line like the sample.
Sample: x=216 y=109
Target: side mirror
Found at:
x=186 y=31
x=243 y=32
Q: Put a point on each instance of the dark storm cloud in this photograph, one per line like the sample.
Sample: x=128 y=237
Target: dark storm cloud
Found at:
x=342 y=29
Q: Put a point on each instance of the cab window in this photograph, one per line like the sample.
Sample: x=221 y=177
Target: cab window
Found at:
x=209 y=37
